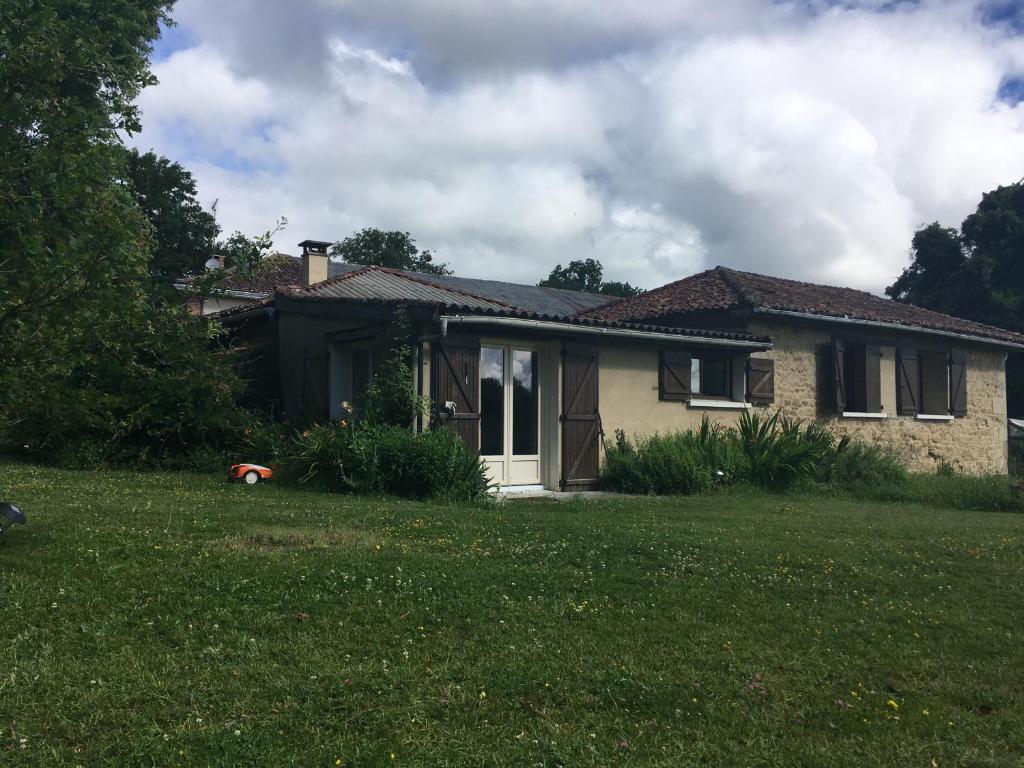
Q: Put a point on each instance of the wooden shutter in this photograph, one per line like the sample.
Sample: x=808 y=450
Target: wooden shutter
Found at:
x=958 y=384
x=456 y=378
x=872 y=379
x=839 y=375
x=314 y=384
x=760 y=380
x=908 y=390
x=674 y=376
x=581 y=420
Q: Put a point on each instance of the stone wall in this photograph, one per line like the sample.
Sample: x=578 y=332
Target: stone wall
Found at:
x=976 y=442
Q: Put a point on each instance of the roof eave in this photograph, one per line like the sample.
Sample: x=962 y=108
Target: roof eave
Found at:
x=607 y=331
x=888 y=326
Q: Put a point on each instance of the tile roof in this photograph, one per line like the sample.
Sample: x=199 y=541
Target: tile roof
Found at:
x=388 y=285
x=278 y=269
x=287 y=270
x=724 y=288
x=379 y=284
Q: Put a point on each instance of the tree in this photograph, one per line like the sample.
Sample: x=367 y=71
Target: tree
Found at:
x=184 y=232
x=393 y=249
x=87 y=355
x=586 y=276
x=976 y=273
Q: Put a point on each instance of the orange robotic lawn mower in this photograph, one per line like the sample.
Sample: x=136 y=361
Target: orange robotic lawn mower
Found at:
x=250 y=474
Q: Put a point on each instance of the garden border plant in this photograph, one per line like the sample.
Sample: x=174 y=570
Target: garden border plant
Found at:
x=777 y=453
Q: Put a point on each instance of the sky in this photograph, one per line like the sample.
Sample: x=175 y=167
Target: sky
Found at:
x=805 y=139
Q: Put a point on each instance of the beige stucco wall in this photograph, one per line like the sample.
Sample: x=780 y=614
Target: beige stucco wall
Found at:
x=628 y=395
x=976 y=442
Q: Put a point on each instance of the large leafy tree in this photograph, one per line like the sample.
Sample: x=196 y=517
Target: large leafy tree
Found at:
x=183 y=230
x=586 y=276
x=396 y=250
x=86 y=353
x=976 y=273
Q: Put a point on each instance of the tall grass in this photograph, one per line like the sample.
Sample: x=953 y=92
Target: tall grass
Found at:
x=779 y=453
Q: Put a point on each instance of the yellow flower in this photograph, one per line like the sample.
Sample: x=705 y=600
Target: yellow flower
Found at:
x=893 y=704
x=924 y=712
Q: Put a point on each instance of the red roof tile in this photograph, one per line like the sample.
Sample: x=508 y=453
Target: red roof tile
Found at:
x=724 y=288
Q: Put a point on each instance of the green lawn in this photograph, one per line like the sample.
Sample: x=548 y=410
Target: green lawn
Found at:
x=170 y=619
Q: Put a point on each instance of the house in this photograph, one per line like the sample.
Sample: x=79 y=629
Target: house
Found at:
x=931 y=386
x=534 y=378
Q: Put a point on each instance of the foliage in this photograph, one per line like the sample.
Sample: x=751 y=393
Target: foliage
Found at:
x=1017 y=457
x=70 y=237
x=768 y=451
x=586 y=276
x=677 y=463
x=992 y=493
x=860 y=462
x=781 y=451
x=386 y=459
x=974 y=273
x=296 y=614
x=183 y=231
x=95 y=370
x=396 y=250
x=391 y=398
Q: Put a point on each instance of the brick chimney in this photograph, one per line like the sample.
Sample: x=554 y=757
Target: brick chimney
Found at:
x=314 y=261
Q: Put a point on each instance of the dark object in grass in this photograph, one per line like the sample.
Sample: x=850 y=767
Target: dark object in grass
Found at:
x=10 y=514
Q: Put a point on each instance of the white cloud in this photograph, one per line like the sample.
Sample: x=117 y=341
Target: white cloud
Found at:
x=658 y=137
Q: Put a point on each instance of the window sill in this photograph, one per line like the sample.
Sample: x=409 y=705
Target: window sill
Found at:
x=933 y=417
x=860 y=415
x=726 y=404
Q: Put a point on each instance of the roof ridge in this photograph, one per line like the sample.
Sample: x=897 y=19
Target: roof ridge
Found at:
x=728 y=276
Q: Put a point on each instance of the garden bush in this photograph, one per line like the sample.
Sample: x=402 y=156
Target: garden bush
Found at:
x=386 y=459
x=768 y=451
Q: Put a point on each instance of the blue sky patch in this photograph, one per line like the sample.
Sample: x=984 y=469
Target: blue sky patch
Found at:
x=1011 y=90
x=171 y=40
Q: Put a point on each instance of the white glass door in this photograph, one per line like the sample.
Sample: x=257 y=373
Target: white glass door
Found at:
x=510 y=414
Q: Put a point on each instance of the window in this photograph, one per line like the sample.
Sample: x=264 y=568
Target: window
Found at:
x=524 y=403
x=934 y=377
x=857 y=378
x=685 y=376
x=492 y=401
x=711 y=376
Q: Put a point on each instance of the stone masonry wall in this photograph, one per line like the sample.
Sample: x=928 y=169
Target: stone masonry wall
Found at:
x=976 y=442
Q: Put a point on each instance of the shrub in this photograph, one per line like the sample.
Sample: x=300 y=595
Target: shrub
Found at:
x=375 y=458
x=858 y=462
x=677 y=463
x=391 y=398
x=768 y=451
x=780 y=451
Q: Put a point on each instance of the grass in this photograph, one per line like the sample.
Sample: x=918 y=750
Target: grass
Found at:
x=168 y=619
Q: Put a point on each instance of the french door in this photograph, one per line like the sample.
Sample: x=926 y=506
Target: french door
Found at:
x=510 y=414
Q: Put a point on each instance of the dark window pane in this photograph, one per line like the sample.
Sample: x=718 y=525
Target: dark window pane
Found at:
x=524 y=403
x=715 y=378
x=492 y=402
x=855 y=360
x=934 y=383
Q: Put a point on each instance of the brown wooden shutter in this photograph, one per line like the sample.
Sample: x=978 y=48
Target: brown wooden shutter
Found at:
x=674 y=376
x=958 y=384
x=581 y=420
x=908 y=390
x=760 y=381
x=839 y=375
x=314 y=384
x=872 y=379
x=456 y=378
